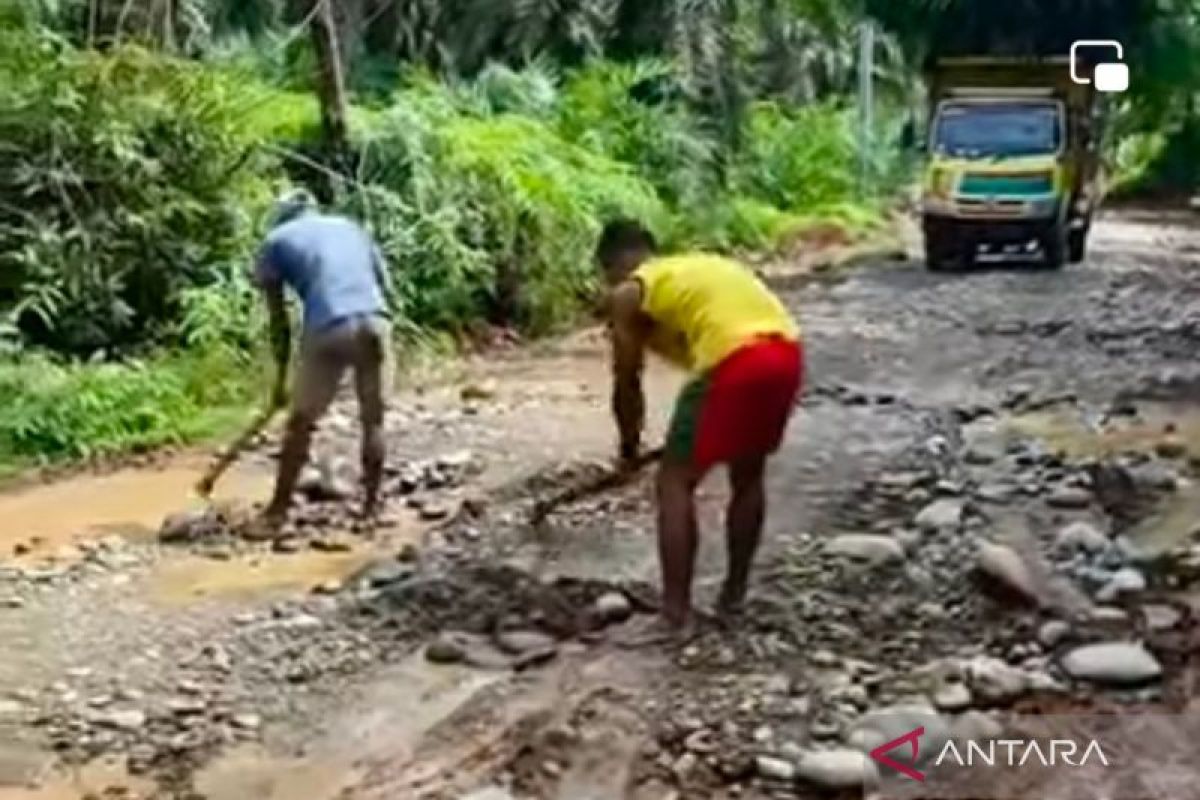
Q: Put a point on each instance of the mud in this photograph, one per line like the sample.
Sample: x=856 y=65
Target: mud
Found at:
x=944 y=413
x=45 y=520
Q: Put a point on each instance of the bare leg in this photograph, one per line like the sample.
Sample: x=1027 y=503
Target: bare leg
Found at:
x=296 y=439
x=677 y=538
x=321 y=369
x=374 y=448
x=743 y=528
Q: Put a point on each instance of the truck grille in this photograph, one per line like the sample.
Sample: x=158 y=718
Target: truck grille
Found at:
x=969 y=207
x=1020 y=185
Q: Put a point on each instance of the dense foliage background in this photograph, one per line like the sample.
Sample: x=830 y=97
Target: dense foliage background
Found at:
x=486 y=141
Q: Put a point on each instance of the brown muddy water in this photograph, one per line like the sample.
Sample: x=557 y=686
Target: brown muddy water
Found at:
x=44 y=520
x=1077 y=435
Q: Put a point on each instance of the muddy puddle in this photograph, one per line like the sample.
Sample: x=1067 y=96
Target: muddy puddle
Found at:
x=386 y=723
x=100 y=779
x=40 y=521
x=192 y=578
x=1080 y=433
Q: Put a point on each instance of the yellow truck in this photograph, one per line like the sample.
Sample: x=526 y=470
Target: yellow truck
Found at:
x=1013 y=167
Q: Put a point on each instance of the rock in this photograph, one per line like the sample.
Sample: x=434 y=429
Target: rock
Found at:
x=1003 y=565
x=1069 y=497
x=825 y=728
x=1124 y=581
x=1108 y=615
x=824 y=659
x=909 y=540
x=882 y=725
x=866 y=547
x=186 y=706
x=288 y=544
x=448 y=648
x=326 y=480
x=700 y=742
x=685 y=767
x=836 y=769
x=433 y=510
x=993 y=681
x=612 y=607
x=489 y=793
x=943 y=515
x=952 y=697
x=247 y=721
x=1081 y=536
x=128 y=720
x=456 y=461
x=975 y=726
x=1155 y=476
x=1161 y=617
x=1171 y=446
x=478 y=391
x=383 y=573
x=190 y=526
x=1052 y=632
x=995 y=493
x=522 y=642
x=1116 y=663
x=775 y=769
x=333 y=543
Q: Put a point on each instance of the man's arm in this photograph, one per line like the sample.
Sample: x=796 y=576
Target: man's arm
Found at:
x=628 y=353
x=267 y=277
x=281 y=340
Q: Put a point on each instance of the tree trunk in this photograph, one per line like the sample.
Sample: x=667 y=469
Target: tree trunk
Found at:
x=331 y=82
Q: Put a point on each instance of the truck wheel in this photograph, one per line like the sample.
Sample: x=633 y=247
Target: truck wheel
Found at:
x=942 y=253
x=1054 y=247
x=1077 y=245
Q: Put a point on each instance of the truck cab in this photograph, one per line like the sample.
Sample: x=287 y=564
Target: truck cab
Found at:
x=1012 y=157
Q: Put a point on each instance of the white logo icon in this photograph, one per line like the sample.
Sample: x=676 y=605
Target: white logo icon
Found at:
x=1111 y=76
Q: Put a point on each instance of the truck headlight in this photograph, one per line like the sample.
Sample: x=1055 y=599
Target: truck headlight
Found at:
x=1043 y=207
x=935 y=204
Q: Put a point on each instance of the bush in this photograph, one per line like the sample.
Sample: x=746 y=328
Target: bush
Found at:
x=135 y=174
x=488 y=215
x=56 y=411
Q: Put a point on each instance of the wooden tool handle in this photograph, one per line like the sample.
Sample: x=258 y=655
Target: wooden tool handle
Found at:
x=208 y=481
x=580 y=491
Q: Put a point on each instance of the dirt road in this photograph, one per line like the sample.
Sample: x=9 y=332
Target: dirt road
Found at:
x=989 y=473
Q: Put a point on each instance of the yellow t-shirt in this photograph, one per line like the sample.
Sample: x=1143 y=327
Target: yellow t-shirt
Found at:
x=705 y=307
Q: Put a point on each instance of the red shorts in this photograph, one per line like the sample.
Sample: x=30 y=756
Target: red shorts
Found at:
x=740 y=408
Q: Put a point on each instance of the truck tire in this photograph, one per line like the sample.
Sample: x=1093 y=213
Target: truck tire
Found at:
x=1054 y=247
x=943 y=251
x=1077 y=245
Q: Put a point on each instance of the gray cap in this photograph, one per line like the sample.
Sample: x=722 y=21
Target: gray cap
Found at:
x=292 y=204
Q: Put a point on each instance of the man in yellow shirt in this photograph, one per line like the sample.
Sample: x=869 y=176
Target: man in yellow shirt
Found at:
x=713 y=317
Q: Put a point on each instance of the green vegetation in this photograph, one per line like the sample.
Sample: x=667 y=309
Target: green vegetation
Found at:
x=142 y=141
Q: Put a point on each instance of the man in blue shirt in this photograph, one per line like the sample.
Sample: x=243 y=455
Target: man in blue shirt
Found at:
x=335 y=268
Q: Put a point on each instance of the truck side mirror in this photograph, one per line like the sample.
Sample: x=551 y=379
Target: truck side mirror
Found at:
x=908 y=135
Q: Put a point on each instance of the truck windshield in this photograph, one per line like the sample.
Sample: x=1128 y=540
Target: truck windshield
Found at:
x=977 y=130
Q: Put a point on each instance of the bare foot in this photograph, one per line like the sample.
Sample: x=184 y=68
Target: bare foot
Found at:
x=656 y=631
x=731 y=603
x=268 y=526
